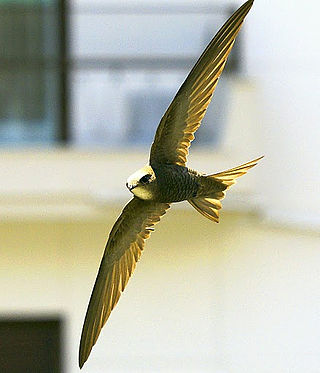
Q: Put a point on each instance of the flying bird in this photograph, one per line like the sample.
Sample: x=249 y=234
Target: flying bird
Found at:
x=165 y=180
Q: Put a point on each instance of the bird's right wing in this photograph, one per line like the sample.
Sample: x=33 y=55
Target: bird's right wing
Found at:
x=184 y=115
x=123 y=250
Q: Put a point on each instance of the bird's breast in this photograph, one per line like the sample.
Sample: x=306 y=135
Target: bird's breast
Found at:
x=175 y=184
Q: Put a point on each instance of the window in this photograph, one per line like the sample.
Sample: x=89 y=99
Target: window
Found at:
x=31 y=345
x=124 y=64
x=30 y=72
x=128 y=63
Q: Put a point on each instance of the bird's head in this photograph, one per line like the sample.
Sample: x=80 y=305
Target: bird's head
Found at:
x=142 y=182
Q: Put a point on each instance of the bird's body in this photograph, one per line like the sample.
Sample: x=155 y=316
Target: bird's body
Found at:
x=171 y=183
x=176 y=183
x=166 y=179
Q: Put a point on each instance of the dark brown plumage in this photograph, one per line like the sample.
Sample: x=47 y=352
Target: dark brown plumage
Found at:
x=164 y=180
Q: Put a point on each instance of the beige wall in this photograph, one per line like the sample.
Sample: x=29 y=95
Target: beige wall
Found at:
x=240 y=296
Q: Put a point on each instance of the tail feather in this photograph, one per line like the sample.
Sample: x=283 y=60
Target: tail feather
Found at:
x=209 y=205
x=229 y=177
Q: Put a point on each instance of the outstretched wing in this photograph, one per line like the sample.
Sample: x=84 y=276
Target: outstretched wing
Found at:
x=123 y=250
x=183 y=117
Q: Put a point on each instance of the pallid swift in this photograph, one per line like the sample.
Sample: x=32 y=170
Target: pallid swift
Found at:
x=164 y=180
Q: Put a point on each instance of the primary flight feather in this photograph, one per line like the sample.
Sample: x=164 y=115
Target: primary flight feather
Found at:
x=165 y=180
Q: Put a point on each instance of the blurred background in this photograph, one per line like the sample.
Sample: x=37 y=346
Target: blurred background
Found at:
x=83 y=85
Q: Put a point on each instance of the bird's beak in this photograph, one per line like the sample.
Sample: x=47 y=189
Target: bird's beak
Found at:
x=130 y=187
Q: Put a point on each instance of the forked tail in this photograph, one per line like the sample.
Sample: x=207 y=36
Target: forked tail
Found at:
x=214 y=187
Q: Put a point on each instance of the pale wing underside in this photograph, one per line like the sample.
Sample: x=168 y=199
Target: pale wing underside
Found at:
x=123 y=250
x=184 y=115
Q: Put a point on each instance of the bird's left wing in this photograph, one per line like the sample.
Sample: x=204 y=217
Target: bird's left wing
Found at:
x=123 y=250
x=184 y=115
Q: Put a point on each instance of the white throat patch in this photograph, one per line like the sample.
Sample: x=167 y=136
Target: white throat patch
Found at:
x=142 y=193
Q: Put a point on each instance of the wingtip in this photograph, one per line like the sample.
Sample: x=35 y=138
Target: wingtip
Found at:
x=83 y=356
x=248 y=4
x=81 y=363
x=82 y=359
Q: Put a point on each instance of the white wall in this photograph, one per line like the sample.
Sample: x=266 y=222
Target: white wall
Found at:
x=283 y=56
x=234 y=297
x=75 y=183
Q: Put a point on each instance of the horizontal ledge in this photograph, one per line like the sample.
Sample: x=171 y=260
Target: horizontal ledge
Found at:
x=77 y=206
x=121 y=63
x=145 y=9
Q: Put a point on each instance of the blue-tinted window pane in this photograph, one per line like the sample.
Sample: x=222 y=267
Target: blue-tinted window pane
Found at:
x=29 y=72
x=129 y=62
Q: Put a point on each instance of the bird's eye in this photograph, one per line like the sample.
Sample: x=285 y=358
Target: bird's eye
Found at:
x=145 y=179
